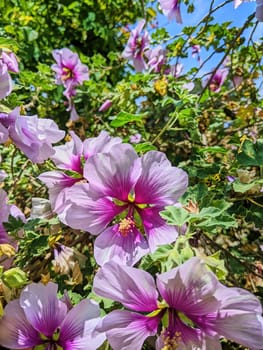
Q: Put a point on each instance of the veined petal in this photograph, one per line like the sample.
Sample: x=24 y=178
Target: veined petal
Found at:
x=88 y=214
x=113 y=174
x=15 y=330
x=72 y=328
x=190 y=288
x=134 y=288
x=156 y=229
x=245 y=328
x=111 y=245
x=128 y=330
x=92 y=337
x=42 y=307
x=100 y=144
x=160 y=183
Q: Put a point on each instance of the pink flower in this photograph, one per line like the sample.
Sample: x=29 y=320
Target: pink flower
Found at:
x=70 y=159
x=136 y=138
x=137 y=189
x=105 y=106
x=136 y=47
x=70 y=73
x=8 y=62
x=171 y=9
x=40 y=318
x=190 y=306
x=156 y=59
x=32 y=135
x=218 y=79
x=259 y=10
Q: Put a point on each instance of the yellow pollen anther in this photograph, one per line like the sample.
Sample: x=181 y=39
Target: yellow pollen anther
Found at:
x=171 y=342
x=125 y=226
x=67 y=73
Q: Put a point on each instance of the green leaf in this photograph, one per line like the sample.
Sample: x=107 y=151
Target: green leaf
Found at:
x=175 y=216
x=144 y=147
x=242 y=188
x=123 y=118
x=251 y=153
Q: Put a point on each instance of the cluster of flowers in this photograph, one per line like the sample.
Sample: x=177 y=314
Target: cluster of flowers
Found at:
x=192 y=307
x=103 y=187
x=144 y=57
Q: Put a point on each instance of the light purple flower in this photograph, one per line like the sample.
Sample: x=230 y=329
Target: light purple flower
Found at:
x=6 y=211
x=171 y=9
x=120 y=182
x=217 y=80
x=8 y=62
x=105 y=106
x=70 y=73
x=194 y=308
x=69 y=159
x=136 y=138
x=32 y=135
x=136 y=47
x=40 y=318
x=156 y=58
x=259 y=10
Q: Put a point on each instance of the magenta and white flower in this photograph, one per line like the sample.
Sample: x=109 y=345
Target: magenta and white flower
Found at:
x=171 y=9
x=32 y=135
x=136 y=47
x=70 y=159
x=194 y=309
x=38 y=317
x=122 y=202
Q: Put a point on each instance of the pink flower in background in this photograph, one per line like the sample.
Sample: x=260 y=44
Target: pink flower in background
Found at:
x=32 y=135
x=259 y=10
x=8 y=62
x=171 y=9
x=119 y=182
x=136 y=47
x=71 y=157
x=136 y=138
x=193 y=307
x=39 y=318
x=156 y=58
x=70 y=73
x=217 y=80
x=105 y=106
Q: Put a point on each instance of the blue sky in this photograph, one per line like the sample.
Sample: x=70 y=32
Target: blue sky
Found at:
x=227 y=13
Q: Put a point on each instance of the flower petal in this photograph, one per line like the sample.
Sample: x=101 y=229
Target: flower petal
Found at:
x=72 y=328
x=134 y=288
x=113 y=174
x=15 y=330
x=156 y=229
x=111 y=245
x=128 y=330
x=85 y=213
x=160 y=183
x=42 y=307
x=245 y=328
x=189 y=288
